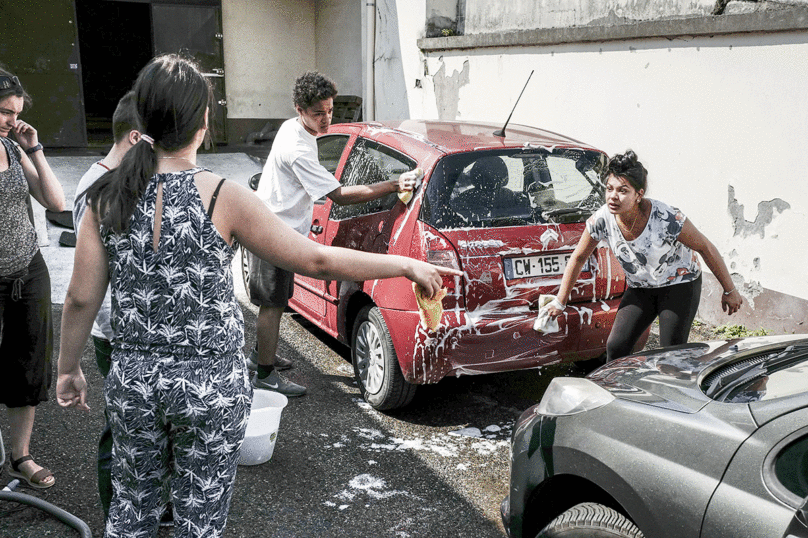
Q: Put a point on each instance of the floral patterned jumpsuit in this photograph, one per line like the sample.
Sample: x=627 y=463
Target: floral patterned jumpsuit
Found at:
x=177 y=395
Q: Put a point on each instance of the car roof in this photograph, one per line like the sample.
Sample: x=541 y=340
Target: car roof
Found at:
x=458 y=136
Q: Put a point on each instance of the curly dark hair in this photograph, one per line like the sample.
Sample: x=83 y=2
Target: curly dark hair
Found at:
x=311 y=87
x=627 y=166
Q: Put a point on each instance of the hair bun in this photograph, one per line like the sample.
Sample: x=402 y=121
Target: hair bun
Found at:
x=628 y=166
x=624 y=161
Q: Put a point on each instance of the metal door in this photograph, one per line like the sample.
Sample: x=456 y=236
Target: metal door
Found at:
x=40 y=46
x=196 y=31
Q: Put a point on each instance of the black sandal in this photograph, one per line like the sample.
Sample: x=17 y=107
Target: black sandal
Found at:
x=36 y=480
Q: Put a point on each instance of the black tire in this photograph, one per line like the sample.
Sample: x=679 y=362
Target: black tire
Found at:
x=375 y=363
x=590 y=520
x=245 y=270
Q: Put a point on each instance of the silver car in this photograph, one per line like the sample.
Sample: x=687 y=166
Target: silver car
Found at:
x=704 y=440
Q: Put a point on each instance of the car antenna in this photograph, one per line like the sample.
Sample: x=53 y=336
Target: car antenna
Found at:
x=501 y=132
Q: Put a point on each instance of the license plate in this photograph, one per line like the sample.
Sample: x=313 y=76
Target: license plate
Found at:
x=535 y=266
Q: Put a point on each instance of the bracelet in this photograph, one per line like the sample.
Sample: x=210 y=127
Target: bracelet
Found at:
x=730 y=291
x=33 y=149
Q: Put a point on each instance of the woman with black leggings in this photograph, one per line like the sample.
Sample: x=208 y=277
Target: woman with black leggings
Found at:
x=656 y=246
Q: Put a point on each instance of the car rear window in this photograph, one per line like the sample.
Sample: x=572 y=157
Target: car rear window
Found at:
x=484 y=189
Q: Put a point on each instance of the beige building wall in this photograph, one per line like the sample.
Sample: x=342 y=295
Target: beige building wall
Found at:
x=267 y=43
x=339 y=43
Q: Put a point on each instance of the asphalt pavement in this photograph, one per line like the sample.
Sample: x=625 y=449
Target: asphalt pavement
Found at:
x=340 y=468
x=438 y=468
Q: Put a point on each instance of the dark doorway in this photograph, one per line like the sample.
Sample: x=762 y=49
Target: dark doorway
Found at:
x=196 y=31
x=115 y=42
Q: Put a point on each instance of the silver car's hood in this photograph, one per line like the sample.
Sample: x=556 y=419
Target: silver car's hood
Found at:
x=671 y=378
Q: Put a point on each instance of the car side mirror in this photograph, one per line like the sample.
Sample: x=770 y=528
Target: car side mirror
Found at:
x=253 y=181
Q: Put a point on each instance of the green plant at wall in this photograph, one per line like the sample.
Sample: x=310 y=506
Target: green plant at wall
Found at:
x=738 y=331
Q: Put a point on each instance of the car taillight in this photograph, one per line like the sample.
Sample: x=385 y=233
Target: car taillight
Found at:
x=445 y=258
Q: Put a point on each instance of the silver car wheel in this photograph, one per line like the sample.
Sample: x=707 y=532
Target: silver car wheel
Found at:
x=370 y=357
x=375 y=363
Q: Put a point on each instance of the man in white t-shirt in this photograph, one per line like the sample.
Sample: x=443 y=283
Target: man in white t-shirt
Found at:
x=292 y=180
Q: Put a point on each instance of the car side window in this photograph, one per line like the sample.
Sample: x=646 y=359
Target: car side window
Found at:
x=329 y=151
x=369 y=163
x=791 y=467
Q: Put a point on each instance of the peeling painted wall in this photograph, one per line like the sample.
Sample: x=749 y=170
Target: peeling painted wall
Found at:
x=716 y=120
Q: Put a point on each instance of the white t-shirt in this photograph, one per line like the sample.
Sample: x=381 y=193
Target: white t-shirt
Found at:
x=655 y=258
x=101 y=326
x=293 y=177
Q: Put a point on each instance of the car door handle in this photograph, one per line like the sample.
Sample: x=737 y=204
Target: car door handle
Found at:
x=316 y=229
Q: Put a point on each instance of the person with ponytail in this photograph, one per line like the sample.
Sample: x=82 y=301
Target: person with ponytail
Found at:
x=656 y=245
x=26 y=326
x=162 y=232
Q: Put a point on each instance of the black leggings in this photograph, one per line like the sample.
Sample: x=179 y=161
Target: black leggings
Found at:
x=675 y=305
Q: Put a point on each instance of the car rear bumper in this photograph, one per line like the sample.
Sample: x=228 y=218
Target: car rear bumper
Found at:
x=488 y=342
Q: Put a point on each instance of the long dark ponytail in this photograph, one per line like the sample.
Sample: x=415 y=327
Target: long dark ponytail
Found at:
x=171 y=97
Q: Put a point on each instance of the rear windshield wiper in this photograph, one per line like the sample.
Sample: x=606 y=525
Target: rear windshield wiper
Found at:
x=565 y=211
x=507 y=221
x=725 y=384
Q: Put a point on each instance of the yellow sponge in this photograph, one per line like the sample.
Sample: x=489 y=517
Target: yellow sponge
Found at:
x=406 y=196
x=430 y=310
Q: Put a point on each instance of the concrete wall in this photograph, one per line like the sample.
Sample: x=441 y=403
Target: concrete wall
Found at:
x=338 y=31
x=267 y=44
x=714 y=106
x=397 y=62
x=718 y=120
x=486 y=16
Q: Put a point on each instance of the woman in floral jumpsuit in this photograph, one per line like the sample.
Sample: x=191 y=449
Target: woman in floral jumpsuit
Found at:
x=177 y=394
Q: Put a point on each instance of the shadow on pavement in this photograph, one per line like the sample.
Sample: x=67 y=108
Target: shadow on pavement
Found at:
x=339 y=468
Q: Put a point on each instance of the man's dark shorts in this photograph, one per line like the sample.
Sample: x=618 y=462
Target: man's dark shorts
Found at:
x=270 y=286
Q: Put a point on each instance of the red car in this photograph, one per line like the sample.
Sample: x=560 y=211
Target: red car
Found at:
x=507 y=211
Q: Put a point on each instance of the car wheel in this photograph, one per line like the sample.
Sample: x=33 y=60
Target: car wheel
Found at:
x=245 y=270
x=590 y=520
x=375 y=363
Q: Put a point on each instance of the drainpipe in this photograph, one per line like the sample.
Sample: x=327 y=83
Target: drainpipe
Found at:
x=370 y=56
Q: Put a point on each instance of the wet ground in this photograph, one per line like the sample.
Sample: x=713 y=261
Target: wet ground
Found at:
x=340 y=469
x=438 y=468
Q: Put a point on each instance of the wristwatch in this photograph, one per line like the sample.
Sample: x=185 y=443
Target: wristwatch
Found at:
x=33 y=149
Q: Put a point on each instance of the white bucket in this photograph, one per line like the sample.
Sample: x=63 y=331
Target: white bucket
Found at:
x=262 y=427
